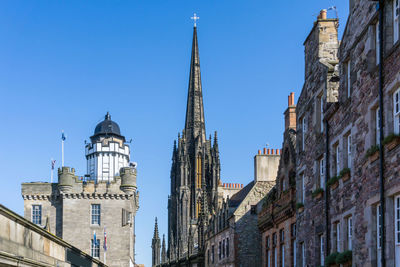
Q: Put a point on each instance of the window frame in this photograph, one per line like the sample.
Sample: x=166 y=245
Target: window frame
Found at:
x=349 y=156
x=322 y=250
x=37 y=214
x=95 y=248
x=396 y=111
x=377 y=44
x=321 y=163
x=350 y=233
x=396 y=6
x=337 y=159
x=95 y=219
x=304 y=128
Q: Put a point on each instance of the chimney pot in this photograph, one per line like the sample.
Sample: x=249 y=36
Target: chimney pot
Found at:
x=272 y=151
x=265 y=151
x=259 y=152
x=277 y=151
x=268 y=151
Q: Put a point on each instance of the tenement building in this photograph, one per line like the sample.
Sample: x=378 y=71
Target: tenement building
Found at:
x=348 y=162
x=232 y=237
x=95 y=213
x=277 y=219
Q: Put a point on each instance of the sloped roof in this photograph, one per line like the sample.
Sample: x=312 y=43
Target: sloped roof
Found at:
x=237 y=198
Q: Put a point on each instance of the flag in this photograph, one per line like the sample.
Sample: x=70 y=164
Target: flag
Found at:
x=94 y=238
x=105 y=240
x=63 y=136
x=53 y=162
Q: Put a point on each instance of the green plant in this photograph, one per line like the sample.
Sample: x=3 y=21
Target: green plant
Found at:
x=390 y=138
x=344 y=257
x=317 y=191
x=332 y=181
x=299 y=205
x=344 y=172
x=331 y=259
x=372 y=150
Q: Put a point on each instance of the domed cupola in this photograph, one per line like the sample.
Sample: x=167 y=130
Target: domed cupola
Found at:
x=107 y=128
x=107 y=152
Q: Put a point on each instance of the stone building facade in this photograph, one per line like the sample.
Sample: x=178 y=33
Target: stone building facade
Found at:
x=348 y=144
x=277 y=219
x=95 y=214
x=23 y=243
x=232 y=238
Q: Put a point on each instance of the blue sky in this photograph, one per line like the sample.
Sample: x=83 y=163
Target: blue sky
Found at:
x=64 y=64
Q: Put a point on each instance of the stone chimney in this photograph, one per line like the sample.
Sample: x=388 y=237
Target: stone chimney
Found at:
x=266 y=165
x=290 y=113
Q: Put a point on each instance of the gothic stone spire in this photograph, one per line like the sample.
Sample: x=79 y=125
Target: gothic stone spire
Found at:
x=194 y=124
x=155 y=245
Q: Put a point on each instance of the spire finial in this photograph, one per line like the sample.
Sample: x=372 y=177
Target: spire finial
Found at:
x=195 y=18
x=108 y=116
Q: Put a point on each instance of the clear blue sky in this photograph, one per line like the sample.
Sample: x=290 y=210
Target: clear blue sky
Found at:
x=64 y=64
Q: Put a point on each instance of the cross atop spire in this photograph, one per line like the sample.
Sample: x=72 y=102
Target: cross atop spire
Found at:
x=195 y=18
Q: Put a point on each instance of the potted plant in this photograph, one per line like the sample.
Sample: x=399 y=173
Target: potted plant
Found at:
x=300 y=207
x=345 y=174
x=331 y=259
x=373 y=153
x=333 y=183
x=345 y=258
x=317 y=193
x=391 y=141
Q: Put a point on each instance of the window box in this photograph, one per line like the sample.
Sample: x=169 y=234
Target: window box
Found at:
x=333 y=183
x=345 y=174
x=391 y=141
x=372 y=153
x=345 y=258
x=318 y=193
x=300 y=207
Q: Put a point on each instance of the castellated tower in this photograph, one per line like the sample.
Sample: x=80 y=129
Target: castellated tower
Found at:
x=95 y=213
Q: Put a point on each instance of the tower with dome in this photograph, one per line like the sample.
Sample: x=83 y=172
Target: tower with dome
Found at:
x=95 y=211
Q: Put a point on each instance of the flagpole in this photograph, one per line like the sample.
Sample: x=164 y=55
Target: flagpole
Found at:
x=62 y=149
x=52 y=171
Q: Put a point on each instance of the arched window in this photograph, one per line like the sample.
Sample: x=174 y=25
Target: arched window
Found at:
x=199 y=171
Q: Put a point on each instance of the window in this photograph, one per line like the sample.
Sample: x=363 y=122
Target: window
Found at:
x=397 y=230
x=303 y=189
x=37 y=214
x=348 y=78
x=396 y=111
x=282 y=235
x=268 y=256
x=303 y=136
x=337 y=229
x=219 y=250
x=337 y=159
x=377 y=44
x=377 y=126
x=199 y=171
x=293 y=230
x=282 y=255
x=126 y=217
x=321 y=113
x=378 y=234
x=395 y=21
x=322 y=250
x=349 y=159
x=223 y=248
x=95 y=248
x=303 y=255
x=275 y=257
x=227 y=247
x=321 y=173
x=253 y=209
x=208 y=256
x=95 y=214
x=212 y=253
x=349 y=233
x=294 y=252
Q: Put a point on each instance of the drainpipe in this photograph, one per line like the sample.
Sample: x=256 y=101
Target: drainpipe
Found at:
x=381 y=159
x=327 y=195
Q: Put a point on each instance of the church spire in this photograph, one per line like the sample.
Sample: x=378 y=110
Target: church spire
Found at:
x=194 y=124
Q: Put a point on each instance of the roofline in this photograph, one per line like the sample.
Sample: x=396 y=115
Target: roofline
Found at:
x=315 y=25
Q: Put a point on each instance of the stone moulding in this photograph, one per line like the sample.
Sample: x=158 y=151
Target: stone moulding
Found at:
x=391 y=142
x=374 y=157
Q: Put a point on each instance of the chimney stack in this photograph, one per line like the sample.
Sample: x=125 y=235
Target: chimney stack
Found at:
x=290 y=113
x=266 y=165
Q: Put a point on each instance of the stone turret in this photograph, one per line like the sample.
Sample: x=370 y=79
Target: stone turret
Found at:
x=66 y=178
x=128 y=179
